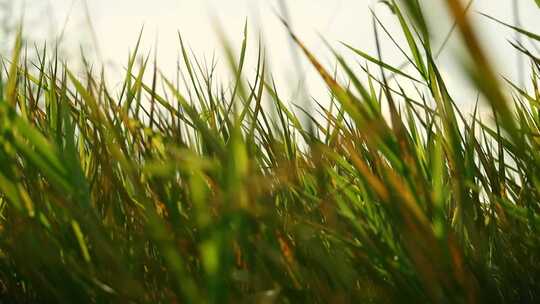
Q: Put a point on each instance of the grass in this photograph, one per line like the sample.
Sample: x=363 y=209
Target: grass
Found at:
x=161 y=194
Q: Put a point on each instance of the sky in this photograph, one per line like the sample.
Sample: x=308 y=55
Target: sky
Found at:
x=116 y=25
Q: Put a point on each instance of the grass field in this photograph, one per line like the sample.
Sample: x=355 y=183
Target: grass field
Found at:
x=154 y=193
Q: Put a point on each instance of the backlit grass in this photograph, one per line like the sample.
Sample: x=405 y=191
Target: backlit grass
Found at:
x=153 y=193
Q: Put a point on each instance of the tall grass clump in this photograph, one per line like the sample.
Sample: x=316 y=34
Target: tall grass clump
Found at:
x=156 y=193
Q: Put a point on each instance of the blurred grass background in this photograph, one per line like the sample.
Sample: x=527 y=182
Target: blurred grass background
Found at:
x=193 y=189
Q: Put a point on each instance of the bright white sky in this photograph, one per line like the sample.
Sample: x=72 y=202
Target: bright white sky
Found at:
x=117 y=24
